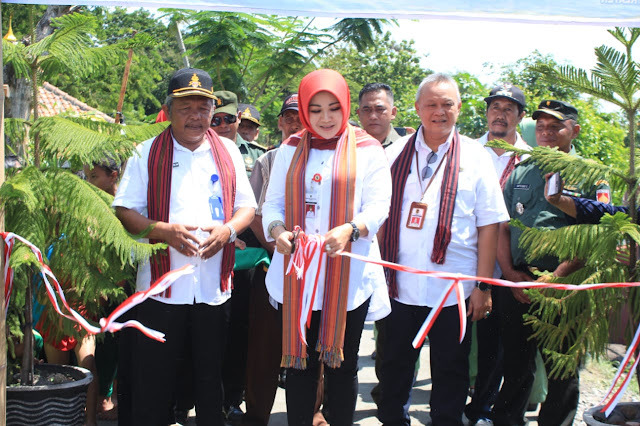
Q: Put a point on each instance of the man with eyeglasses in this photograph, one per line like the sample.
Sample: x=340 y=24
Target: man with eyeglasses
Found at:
x=556 y=127
x=444 y=216
x=225 y=123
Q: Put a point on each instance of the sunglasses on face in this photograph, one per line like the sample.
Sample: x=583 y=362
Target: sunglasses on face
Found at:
x=229 y=119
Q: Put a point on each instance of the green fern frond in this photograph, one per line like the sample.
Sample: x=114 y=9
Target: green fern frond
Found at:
x=83 y=141
x=14 y=54
x=85 y=217
x=576 y=79
x=69 y=46
x=571 y=167
x=618 y=74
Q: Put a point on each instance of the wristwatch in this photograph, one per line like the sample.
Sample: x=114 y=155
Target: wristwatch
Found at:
x=482 y=286
x=355 y=234
x=232 y=233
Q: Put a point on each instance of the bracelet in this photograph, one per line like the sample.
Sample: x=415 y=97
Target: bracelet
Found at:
x=273 y=225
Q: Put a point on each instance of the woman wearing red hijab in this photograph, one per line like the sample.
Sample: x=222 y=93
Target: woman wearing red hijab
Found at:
x=331 y=179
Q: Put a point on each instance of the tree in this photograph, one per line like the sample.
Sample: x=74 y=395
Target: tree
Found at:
x=601 y=137
x=151 y=68
x=263 y=58
x=51 y=206
x=385 y=61
x=471 y=121
x=580 y=319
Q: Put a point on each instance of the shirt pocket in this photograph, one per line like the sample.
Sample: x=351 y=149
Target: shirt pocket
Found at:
x=522 y=202
x=465 y=197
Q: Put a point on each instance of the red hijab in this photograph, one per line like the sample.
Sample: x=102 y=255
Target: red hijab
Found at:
x=323 y=80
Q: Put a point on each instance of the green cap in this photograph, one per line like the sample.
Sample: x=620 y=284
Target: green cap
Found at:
x=227 y=102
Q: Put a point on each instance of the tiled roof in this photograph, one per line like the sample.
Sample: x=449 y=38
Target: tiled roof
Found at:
x=54 y=101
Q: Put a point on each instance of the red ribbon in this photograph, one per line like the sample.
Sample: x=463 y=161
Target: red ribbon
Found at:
x=106 y=324
x=304 y=256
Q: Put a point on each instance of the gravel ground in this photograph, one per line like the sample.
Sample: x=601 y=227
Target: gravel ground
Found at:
x=596 y=377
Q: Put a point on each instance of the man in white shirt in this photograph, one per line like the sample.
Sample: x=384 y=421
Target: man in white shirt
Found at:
x=186 y=188
x=505 y=110
x=444 y=217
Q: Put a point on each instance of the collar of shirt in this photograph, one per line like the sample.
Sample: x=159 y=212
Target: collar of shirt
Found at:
x=424 y=150
x=204 y=146
x=520 y=144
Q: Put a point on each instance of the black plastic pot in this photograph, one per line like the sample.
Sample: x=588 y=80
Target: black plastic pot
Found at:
x=54 y=404
x=626 y=407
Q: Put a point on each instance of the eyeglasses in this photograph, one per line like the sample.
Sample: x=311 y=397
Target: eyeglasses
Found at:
x=427 y=171
x=229 y=119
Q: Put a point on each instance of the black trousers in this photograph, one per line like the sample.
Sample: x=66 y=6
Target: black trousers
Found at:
x=126 y=347
x=449 y=365
x=489 y=375
x=155 y=364
x=519 y=372
x=235 y=359
x=341 y=384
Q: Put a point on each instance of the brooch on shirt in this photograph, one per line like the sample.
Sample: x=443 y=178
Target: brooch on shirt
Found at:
x=519 y=208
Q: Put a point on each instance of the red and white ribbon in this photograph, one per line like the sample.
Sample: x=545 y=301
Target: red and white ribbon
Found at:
x=302 y=252
x=106 y=324
x=300 y=260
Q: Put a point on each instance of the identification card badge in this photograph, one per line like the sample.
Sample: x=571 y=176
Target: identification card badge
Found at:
x=417 y=214
x=215 y=205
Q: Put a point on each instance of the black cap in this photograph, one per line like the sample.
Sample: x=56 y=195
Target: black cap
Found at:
x=558 y=109
x=249 y=112
x=290 y=103
x=191 y=82
x=507 y=91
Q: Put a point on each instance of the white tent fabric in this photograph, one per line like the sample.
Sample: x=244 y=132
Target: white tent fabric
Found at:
x=584 y=12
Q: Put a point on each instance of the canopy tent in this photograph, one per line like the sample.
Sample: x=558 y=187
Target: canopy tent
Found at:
x=584 y=12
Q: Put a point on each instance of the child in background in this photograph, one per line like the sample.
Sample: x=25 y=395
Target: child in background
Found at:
x=105 y=175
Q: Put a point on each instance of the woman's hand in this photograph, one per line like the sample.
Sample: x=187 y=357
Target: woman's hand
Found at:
x=283 y=242
x=336 y=239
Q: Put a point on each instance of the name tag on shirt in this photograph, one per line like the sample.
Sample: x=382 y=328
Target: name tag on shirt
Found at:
x=524 y=186
x=176 y=164
x=417 y=214
x=215 y=205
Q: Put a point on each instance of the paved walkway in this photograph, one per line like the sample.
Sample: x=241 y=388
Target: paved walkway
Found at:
x=365 y=408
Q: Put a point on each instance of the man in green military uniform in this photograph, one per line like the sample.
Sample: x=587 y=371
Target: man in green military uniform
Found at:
x=556 y=126
x=250 y=124
x=225 y=123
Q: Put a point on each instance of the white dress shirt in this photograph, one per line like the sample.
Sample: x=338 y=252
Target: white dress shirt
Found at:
x=500 y=161
x=371 y=206
x=191 y=188
x=479 y=202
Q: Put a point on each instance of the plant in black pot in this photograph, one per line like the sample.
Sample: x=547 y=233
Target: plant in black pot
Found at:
x=70 y=221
